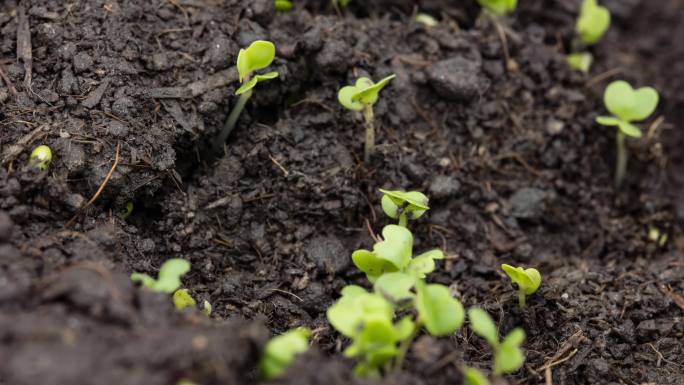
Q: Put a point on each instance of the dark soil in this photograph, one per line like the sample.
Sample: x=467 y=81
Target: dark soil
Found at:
x=516 y=169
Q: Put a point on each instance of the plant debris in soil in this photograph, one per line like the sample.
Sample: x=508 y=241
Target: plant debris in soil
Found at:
x=129 y=93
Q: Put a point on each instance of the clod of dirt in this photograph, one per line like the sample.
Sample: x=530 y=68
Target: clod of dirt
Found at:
x=527 y=203
x=444 y=186
x=328 y=254
x=457 y=78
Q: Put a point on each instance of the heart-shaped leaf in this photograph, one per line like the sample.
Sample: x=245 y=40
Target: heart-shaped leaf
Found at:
x=441 y=313
x=508 y=357
x=395 y=286
x=482 y=324
x=344 y=96
x=580 y=61
x=258 y=55
x=371 y=264
x=363 y=93
x=424 y=263
x=593 y=22
x=169 y=276
x=499 y=7
x=628 y=104
x=397 y=246
x=528 y=280
x=182 y=299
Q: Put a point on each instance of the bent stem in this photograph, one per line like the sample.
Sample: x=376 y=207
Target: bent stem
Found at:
x=403 y=220
x=232 y=120
x=369 y=145
x=405 y=345
x=621 y=161
x=521 y=299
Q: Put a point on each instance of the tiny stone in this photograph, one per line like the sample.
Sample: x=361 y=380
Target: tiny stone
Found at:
x=328 y=253
x=554 y=127
x=82 y=62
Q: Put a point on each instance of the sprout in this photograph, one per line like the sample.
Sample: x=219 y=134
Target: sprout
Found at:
x=426 y=20
x=361 y=97
x=508 y=357
x=258 y=55
x=404 y=205
x=281 y=351
x=182 y=299
x=498 y=7
x=126 y=211
x=593 y=22
x=657 y=236
x=580 y=61
x=206 y=308
x=627 y=105
x=473 y=376
x=283 y=5
x=169 y=276
x=393 y=254
x=527 y=281
x=41 y=157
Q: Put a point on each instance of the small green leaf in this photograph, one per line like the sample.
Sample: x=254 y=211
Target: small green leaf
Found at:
x=499 y=7
x=169 y=276
x=206 y=308
x=483 y=325
x=258 y=55
x=509 y=357
x=580 y=61
x=183 y=299
x=404 y=328
x=390 y=208
x=424 y=263
x=283 y=5
x=371 y=264
x=344 y=96
x=397 y=246
x=395 y=286
x=426 y=19
x=593 y=22
x=254 y=81
x=628 y=104
x=281 y=351
x=363 y=93
x=473 y=376
x=441 y=313
x=143 y=278
x=607 y=120
x=41 y=157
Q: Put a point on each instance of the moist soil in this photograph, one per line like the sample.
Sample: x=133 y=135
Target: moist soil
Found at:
x=129 y=94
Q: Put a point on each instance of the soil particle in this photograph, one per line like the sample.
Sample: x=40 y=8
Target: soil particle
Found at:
x=328 y=253
x=457 y=78
x=6 y=226
x=527 y=203
x=82 y=62
x=444 y=186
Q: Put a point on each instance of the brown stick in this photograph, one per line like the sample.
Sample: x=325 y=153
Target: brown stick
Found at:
x=100 y=189
x=7 y=81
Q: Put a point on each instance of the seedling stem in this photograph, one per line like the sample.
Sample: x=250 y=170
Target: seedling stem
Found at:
x=234 y=116
x=621 y=161
x=369 y=146
x=405 y=345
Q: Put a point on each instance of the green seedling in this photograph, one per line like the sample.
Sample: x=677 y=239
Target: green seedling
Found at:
x=426 y=20
x=508 y=356
x=182 y=299
x=126 y=211
x=498 y=7
x=626 y=105
x=378 y=342
x=657 y=236
x=361 y=97
x=593 y=22
x=283 y=5
x=206 y=308
x=403 y=205
x=41 y=157
x=281 y=351
x=526 y=280
x=258 y=55
x=394 y=254
x=473 y=376
x=169 y=276
x=580 y=61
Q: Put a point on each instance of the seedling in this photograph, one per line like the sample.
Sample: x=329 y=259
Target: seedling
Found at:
x=169 y=276
x=473 y=376
x=126 y=211
x=627 y=105
x=394 y=254
x=41 y=157
x=361 y=97
x=593 y=22
x=404 y=205
x=526 y=280
x=258 y=55
x=281 y=351
x=283 y=5
x=498 y=7
x=580 y=61
x=508 y=356
x=183 y=299
x=206 y=308
x=426 y=20
x=657 y=236
x=377 y=341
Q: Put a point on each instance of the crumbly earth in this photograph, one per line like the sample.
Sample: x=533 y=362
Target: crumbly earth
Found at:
x=516 y=170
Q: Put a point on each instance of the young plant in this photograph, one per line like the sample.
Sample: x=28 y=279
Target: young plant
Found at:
x=404 y=205
x=508 y=356
x=361 y=97
x=473 y=376
x=593 y=22
x=498 y=7
x=258 y=55
x=169 y=276
x=281 y=351
x=580 y=61
x=41 y=157
x=394 y=254
x=182 y=299
x=526 y=280
x=626 y=105
x=283 y=5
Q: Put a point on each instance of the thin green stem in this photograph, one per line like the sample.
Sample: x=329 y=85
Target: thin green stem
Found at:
x=621 y=160
x=369 y=145
x=521 y=299
x=403 y=220
x=232 y=120
x=405 y=345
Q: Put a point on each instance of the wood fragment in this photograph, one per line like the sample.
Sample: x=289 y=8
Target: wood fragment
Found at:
x=24 y=51
x=95 y=96
x=14 y=150
x=216 y=80
x=7 y=80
